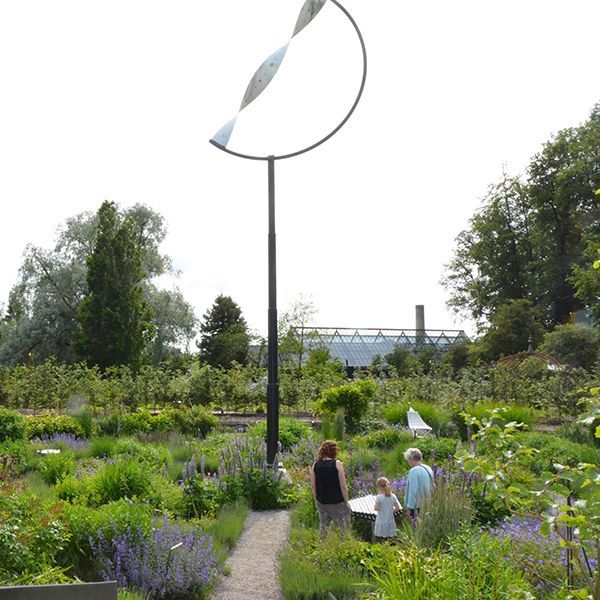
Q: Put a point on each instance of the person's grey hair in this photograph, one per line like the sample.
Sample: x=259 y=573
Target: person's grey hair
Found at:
x=413 y=454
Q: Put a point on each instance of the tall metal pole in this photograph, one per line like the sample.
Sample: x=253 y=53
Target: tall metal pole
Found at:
x=272 y=383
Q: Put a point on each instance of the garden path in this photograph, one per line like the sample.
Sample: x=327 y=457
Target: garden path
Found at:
x=254 y=565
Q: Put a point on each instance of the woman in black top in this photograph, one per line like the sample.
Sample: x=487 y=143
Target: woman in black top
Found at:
x=330 y=489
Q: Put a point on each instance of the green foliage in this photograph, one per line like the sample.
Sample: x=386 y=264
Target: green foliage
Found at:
x=102 y=447
x=333 y=426
x=529 y=234
x=224 y=332
x=353 y=398
x=291 y=431
x=435 y=416
x=12 y=425
x=511 y=327
x=31 y=536
x=405 y=363
x=228 y=526
x=114 y=317
x=55 y=467
x=576 y=345
x=48 y=425
x=84 y=522
x=433 y=449
x=123 y=479
x=195 y=420
x=388 y=438
x=265 y=490
x=445 y=511
x=551 y=449
x=200 y=497
x=15 y=456
x=151 y=456
x=518 y=414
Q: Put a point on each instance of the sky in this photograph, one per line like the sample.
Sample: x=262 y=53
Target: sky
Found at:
x=116 y=100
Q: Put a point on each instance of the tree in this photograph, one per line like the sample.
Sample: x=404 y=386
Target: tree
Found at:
x=43 y=305
x=491 y=262
x=403 y=361
x=225 y=337
x=114 y=317
x=576 y=345
x=511 y=328
x=295 y=339
x=532 y=232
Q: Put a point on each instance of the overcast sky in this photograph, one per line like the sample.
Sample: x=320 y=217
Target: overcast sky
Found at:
x=117 y=100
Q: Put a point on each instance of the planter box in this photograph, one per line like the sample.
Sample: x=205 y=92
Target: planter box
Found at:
x=70 y=591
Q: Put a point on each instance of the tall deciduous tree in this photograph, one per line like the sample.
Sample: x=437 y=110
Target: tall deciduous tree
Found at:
x=531 y=233
x=225 y=337
x=114 y=317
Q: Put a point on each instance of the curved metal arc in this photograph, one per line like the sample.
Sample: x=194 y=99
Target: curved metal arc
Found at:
x=340 y=125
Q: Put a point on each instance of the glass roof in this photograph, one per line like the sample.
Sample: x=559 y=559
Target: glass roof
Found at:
x=358 y=347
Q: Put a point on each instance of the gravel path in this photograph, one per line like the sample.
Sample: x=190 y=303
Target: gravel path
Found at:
x=254 y=562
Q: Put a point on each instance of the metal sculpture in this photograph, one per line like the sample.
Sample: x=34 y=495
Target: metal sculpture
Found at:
x=260 y=80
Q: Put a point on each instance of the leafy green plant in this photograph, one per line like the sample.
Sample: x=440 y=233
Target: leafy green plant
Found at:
x=200 y=497
x=48 y=425
x=103 y=447
x=291 y=431
x=354 y=398
x=195 y=420
x=12 y=425
x=510 y=413
x=55 y=467
x=123 y=479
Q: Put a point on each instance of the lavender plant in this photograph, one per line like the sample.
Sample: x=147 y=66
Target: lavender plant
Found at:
x=175 y=561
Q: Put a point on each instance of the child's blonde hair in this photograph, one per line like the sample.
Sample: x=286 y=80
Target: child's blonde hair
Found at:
x=384 y=484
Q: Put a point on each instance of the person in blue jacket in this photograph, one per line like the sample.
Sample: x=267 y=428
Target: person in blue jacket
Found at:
x=420 y=483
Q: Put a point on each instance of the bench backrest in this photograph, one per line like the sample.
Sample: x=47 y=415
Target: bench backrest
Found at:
x=71 y=591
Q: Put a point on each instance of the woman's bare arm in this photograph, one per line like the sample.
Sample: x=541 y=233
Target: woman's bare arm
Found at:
x=342 y=478
x=313 y=481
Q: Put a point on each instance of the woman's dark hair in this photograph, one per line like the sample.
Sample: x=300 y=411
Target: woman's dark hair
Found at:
x=328 y=449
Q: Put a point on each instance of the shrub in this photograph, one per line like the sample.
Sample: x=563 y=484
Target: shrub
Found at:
x=150 y=456
x=55 y=467
x=576 y=345
x=149 y=563
x=388 y=438
x=103 y=447
x=200 y=497
x=49 y=425
x=434 y=449
x=226 y=529
x=333 y=426
x=12 y=425
x=291 y=431
x=14 y=457
x=83 y=524
x=353 y=398
x=195 y=420
x=520 y=414
x=433 y=415
x=31 y=535
x=264 y=490
x=123 y=479
x=552 y=449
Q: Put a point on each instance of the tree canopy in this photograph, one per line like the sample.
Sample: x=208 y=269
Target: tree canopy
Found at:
x=114 y=316
x=532 y=232
x=42 y=310
x=225 y=337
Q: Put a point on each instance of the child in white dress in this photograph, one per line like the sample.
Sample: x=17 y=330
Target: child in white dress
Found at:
x=386 y=504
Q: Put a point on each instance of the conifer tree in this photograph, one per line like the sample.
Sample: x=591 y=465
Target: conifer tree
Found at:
x=114 y=318
x=224 y=332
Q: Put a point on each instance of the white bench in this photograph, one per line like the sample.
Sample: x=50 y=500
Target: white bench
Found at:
x=416 y=423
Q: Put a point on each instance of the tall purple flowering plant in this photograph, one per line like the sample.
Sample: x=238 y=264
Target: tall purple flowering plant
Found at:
x=175 y=561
